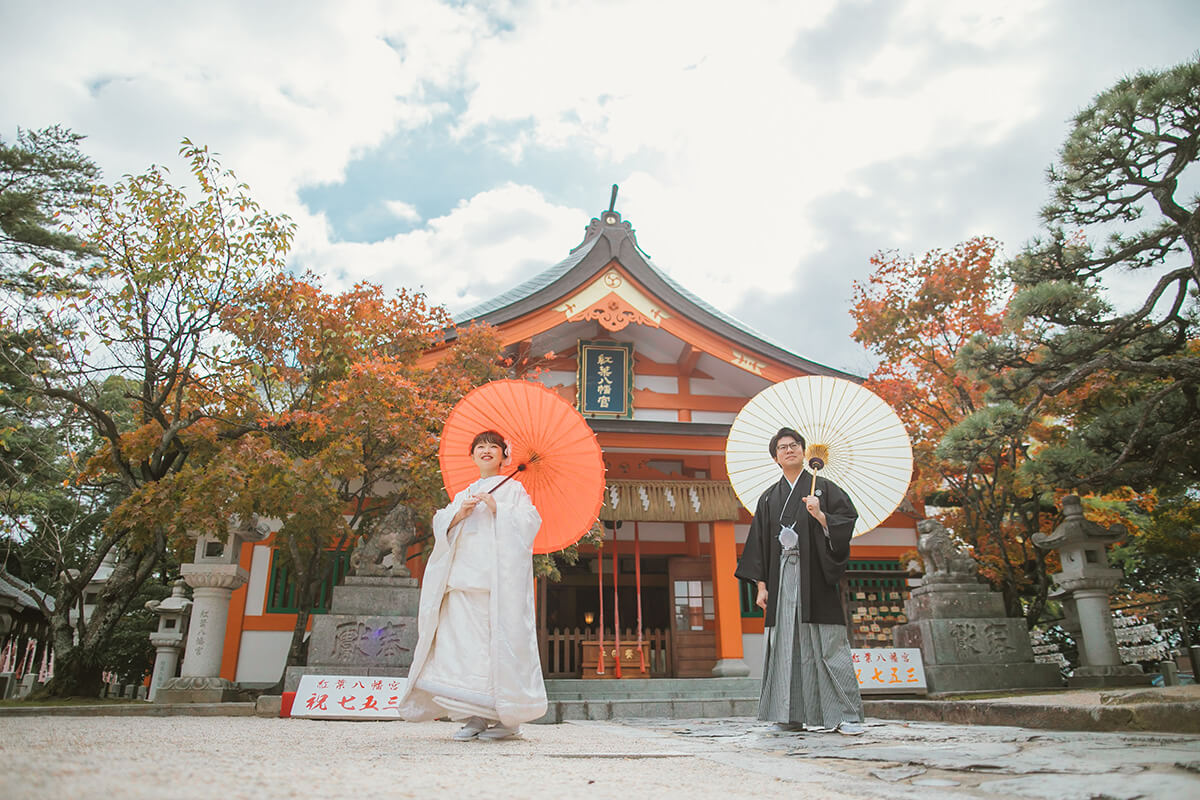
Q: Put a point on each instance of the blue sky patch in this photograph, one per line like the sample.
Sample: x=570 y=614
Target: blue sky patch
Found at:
x=433 y=173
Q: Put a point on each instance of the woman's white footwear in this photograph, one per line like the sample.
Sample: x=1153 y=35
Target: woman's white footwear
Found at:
x=500 y=732
x=474 y=727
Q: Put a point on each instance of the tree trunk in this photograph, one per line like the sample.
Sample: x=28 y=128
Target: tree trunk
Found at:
x=308 y=577
x=1034 y=612
x=298 y=651
x=76 y=674
x=77 y=663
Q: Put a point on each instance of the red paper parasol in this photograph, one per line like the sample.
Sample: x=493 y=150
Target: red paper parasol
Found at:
x=564 y=471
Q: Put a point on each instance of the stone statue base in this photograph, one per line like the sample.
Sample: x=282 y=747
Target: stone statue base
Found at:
x=371 y=629
x=966 y=641
x=200 y=690
x=1104 y=677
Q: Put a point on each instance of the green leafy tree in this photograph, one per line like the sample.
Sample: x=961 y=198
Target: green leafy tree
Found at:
x=43 y=175
x=1109 y=331
x=46 y=520
x=142 y=320
x=1161 y=556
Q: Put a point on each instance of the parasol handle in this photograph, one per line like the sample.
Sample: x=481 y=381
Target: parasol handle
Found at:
x=815 y=463
x=520 y=468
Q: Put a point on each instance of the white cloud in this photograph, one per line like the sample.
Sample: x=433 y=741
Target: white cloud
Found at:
x=404 y=211
x=287 y=92
x=486 y=245
x=725 y=141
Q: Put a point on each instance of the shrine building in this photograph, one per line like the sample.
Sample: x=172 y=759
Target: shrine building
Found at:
x=659 y=375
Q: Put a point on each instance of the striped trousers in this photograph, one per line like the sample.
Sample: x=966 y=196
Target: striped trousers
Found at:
x=808 y=676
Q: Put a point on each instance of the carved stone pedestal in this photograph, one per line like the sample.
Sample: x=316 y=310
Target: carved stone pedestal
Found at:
x=199 y=680
x=199 y=689
x=966 y=641
x=371 y=629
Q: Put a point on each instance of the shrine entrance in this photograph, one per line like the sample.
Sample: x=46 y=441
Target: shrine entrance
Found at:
x=568 y=617
x=693 y=619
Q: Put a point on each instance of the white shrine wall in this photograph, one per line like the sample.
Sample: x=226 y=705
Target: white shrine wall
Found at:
x=262 y=656
x=256 y=587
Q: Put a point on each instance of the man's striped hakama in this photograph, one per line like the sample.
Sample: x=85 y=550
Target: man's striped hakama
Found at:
x=808 y=677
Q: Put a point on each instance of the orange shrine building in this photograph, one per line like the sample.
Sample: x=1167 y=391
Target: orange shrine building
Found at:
x=659 y=375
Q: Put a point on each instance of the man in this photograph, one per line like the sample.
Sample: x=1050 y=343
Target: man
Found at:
x=796 y=552
x=476 y=659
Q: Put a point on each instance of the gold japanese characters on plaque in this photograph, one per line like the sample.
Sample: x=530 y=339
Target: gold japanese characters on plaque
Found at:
x=604 y=385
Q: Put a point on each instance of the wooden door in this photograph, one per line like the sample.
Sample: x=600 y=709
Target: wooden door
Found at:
x=693 y=618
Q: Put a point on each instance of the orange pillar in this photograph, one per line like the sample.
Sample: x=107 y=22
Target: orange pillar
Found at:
x=727 y=602
x=726 y=590
x=236 y=621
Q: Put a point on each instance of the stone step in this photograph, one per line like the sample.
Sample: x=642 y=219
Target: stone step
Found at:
x=644 y=708
x=135 y=709
x=660 y=689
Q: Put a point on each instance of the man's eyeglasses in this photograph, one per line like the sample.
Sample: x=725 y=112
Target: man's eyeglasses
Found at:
x=783 y=447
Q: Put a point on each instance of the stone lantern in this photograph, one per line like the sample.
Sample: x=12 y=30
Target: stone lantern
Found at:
x=1085 y=581
x=213 y=575
x=168 y=639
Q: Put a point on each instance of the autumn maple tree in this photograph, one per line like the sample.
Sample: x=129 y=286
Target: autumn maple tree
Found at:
x=916 y=315
x=138 y=366
x=347 y=421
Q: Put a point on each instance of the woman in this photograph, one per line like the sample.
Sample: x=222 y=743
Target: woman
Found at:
x=477 y=656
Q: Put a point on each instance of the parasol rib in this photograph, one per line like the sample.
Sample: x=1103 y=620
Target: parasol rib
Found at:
x=868 y=452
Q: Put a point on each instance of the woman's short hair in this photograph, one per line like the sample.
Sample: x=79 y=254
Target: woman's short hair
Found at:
x=491 y=437
x=782 y=433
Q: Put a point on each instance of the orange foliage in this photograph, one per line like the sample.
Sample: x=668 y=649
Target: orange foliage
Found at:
x=916 y=315
x=336 y=383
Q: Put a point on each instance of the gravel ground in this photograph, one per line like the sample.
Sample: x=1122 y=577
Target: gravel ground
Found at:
x=120 y=758
x=116 y=758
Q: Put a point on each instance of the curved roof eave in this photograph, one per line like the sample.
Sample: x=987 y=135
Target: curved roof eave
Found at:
x=18 y=590
x=601 y=245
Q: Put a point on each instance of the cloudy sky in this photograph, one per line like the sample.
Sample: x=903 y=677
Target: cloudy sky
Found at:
x=764 y=150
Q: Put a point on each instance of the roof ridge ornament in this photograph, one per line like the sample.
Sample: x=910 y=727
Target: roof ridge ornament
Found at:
x=609 y=225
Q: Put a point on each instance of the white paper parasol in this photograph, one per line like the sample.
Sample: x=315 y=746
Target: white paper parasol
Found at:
x=869 y=454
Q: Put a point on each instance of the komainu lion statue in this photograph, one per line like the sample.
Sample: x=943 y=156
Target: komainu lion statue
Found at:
x=394 y=533
x=944 y=561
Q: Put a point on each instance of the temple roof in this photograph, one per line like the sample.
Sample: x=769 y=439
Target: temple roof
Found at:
x=609 y=238
x=22 y=594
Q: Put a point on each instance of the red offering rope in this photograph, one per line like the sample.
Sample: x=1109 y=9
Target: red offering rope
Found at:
x=637 y=577
x=600 y=583
x=616 y=609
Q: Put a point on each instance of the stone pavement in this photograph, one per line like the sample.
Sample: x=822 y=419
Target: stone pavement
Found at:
x=1169 y=709
x=242 y=757
x=939 y=760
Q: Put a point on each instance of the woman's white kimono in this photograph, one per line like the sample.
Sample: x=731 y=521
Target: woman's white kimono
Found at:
x=477 y=651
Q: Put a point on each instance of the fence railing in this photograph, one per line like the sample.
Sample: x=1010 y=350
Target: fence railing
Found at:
x=562 y=650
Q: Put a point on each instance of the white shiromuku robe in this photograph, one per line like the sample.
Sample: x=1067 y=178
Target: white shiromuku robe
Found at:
x=477 y=652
